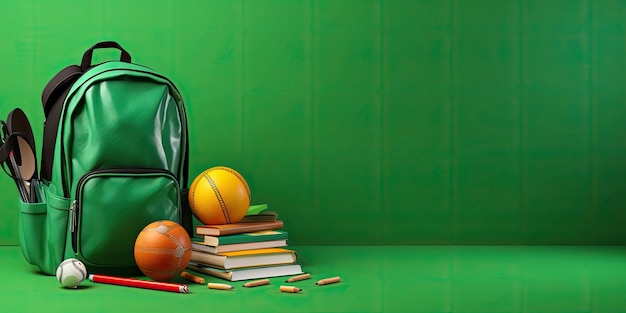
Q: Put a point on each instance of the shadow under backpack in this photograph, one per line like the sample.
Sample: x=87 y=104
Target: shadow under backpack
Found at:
x=114 y=159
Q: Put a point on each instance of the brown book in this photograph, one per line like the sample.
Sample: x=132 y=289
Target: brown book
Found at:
x=236 y=228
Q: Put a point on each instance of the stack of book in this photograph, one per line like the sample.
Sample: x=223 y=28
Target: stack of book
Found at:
x=253 y=248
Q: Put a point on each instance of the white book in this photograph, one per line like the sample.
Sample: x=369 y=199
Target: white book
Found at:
x=248 y=272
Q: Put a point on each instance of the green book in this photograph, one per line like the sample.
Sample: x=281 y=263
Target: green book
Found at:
x=263 y=235
x=260 y=217
x=256 y=209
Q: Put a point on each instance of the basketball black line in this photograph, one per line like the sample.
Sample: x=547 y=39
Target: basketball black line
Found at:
x=219 y=198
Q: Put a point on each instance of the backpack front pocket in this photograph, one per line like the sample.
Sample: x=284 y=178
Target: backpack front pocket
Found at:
x=112 y=206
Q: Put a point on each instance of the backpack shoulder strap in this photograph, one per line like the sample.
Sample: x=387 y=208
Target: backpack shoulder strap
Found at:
x=62 y=79
x=52 y=98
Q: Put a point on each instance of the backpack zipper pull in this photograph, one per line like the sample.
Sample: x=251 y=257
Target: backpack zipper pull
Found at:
x=73 y=216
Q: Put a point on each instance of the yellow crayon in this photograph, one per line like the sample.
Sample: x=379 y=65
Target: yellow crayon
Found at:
x=327 y=281
x=192 y=277
x=297 y=278
x=290 y=289
x=219 y=286
x=255 y=283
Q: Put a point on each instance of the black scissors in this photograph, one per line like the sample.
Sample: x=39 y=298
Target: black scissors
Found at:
x=18 y=152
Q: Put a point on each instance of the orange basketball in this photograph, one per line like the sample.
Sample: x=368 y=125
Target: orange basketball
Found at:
x=219 y=195
x=162 y=250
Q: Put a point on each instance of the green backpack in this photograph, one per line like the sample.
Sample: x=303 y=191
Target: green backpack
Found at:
x=114 y=159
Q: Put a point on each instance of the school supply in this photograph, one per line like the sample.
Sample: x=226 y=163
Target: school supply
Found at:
x=200 y=246
x=245 y=273
x=236 y=228
x=114 y=159
x=245 y=258
x=255 y=236
x=18 y=154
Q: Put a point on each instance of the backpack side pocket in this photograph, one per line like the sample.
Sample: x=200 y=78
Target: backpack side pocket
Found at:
x=43 y=231
x=32 y=220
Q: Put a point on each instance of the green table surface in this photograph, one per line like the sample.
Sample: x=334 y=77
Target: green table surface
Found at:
x=373 y=279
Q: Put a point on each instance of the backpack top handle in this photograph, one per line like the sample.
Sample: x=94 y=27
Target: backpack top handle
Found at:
x=86 y=62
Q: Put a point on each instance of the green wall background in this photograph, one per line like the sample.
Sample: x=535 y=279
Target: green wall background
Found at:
x=373 y=122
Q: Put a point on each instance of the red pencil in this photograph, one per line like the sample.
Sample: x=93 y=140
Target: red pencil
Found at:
x=138 y=283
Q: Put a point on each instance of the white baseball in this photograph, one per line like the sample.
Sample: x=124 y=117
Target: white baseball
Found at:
x=71 y=273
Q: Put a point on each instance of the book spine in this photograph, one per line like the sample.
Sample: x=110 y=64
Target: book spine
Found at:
x=207 y=259
x=249 y=238
x=218 y=274
x=249 y=229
